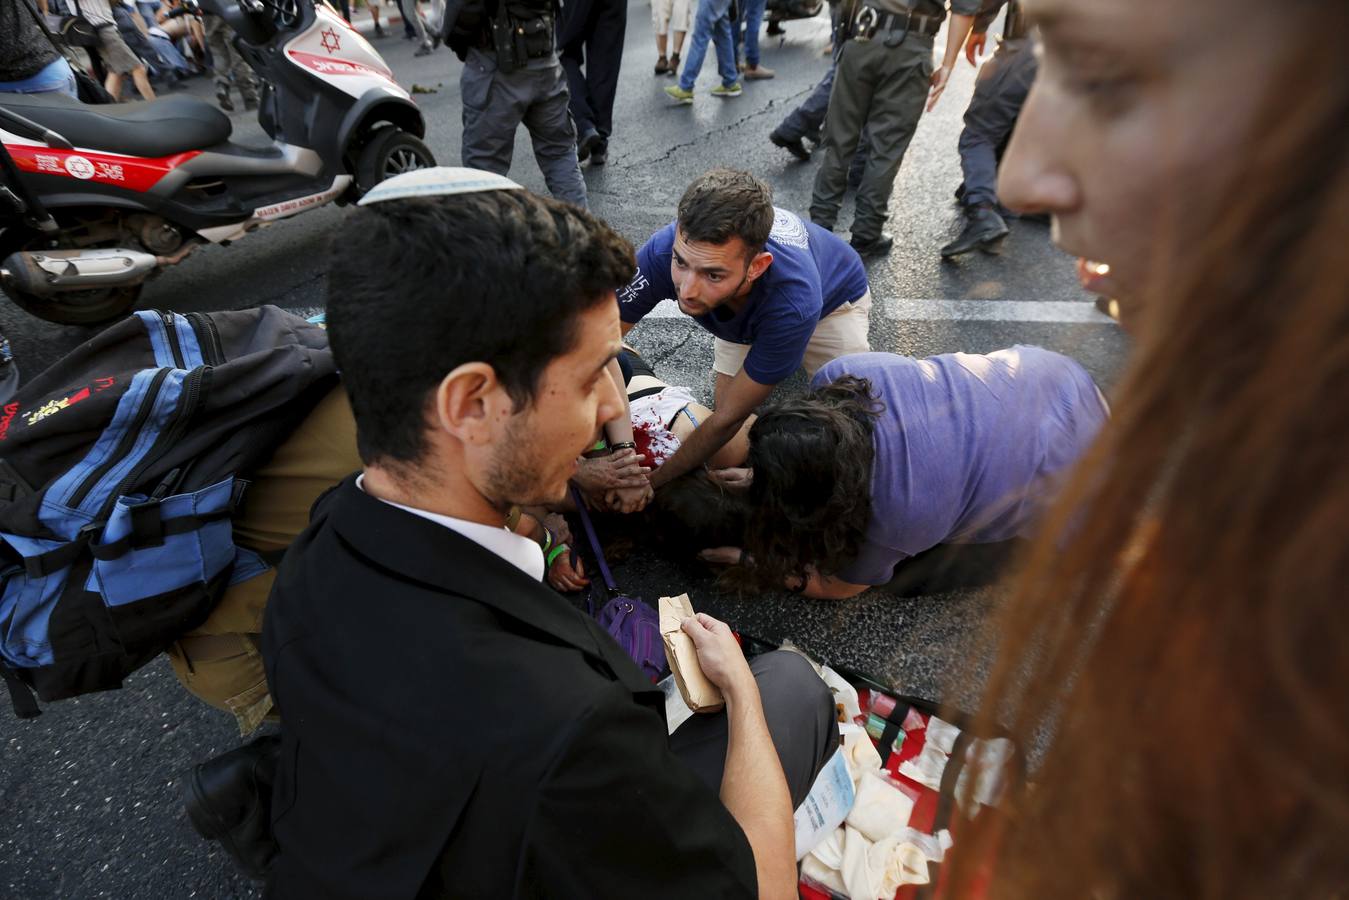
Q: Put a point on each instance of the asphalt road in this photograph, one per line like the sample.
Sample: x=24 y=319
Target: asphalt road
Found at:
x=89 y=792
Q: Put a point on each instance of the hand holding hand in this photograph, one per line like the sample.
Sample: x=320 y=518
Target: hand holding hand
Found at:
x=622 y=469
x=629 y=500
x=720 y=655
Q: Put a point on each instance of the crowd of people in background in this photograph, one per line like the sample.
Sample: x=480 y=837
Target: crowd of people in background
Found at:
x=562 y=87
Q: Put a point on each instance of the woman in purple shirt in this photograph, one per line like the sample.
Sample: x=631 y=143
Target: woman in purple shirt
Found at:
x=889 y=457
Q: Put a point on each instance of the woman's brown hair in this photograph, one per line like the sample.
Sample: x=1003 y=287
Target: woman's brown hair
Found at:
x=1176 y=648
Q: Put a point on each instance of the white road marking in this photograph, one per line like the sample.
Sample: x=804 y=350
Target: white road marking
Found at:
x=1072 y=312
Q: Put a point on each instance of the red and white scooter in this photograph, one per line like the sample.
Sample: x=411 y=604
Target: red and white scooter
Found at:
x=94 y=200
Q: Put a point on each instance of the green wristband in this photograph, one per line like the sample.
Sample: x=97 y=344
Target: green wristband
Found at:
x=555 y=553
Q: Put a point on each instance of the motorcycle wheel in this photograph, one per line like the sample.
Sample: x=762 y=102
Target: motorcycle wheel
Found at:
x=79 y=307
x=390 y=151
x=94 y=307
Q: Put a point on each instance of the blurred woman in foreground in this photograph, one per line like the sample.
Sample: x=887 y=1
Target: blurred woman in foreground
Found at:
x=1183 y=646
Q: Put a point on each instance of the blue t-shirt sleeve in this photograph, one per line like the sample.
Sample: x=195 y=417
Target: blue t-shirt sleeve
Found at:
x=652 y=282
x=779 y=344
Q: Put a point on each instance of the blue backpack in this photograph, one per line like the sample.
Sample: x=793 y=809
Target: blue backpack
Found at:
x=120 y=468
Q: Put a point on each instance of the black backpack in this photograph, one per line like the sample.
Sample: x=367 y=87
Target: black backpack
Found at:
x=120 y=467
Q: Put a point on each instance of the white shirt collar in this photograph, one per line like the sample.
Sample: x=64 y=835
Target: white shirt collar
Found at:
x=519 y=551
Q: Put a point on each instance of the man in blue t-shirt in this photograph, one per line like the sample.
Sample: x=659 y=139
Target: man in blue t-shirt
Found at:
x=775 y=291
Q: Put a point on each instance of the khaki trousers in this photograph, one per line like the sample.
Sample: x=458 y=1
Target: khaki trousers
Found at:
x=842 y=332
x=220 y=661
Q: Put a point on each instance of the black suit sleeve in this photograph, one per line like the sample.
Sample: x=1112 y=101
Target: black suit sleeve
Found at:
x=618 y=815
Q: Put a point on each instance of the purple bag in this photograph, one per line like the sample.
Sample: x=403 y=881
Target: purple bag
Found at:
x=631 y=622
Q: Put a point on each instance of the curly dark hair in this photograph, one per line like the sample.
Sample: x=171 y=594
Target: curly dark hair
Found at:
x=497 y=277
x=810 y=499
x=692 y=512
x=725 y=203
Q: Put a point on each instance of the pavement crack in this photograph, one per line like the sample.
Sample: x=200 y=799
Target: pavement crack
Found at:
x=704 y=136
x=669 y=354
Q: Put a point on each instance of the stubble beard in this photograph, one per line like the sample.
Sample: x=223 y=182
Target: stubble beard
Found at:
x=517 y=471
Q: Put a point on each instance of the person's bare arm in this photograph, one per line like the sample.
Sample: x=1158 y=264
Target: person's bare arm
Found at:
x=42 y=6
x=956 y=32
x=619 y=431
x=739 y=400
x=753 y=786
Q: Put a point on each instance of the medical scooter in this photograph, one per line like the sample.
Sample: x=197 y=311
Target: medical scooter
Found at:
x=95 y=200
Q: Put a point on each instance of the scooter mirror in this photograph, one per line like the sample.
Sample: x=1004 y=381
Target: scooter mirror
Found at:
x=250 y=19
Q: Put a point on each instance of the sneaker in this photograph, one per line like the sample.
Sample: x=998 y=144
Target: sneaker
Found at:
x=674 y=64
x=759 y=73
x=424 y=50
x=723 y=91
x=681 y=96
x=223 y=98
x=662 y=66
x=600 y=155
x=379 y=30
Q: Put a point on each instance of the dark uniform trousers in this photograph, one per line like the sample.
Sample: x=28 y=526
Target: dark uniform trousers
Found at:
x=590 y=46
x=496 y=103
x=1000 y=92
x=884 y=89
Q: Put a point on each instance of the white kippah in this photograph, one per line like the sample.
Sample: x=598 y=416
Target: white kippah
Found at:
x=437 y=182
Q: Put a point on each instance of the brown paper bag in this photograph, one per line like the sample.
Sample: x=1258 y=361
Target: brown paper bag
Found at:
x=700 y=694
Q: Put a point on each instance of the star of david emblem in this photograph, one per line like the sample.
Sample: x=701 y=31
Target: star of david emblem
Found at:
x=331 y=42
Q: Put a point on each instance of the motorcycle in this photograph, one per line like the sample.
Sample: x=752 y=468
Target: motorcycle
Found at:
x=95 y=200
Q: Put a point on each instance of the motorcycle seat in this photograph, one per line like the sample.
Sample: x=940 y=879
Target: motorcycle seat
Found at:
x=148 y=128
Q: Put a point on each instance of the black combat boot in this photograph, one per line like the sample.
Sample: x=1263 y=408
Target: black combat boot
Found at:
x=984 y=230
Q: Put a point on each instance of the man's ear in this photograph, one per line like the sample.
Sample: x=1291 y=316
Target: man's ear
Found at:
x=470 y=401
x=759 y=265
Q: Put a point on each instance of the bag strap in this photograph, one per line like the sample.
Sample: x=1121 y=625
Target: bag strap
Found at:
x=59 y=47
x=594 y=541
x=20 y=695
x=31 y=6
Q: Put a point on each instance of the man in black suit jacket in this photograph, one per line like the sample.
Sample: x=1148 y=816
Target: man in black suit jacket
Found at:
x=452 y=727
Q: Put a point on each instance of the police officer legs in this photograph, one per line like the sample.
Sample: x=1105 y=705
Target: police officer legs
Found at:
x=883 y=88
x=885 y=78
x=590 y=35
x=1000 y=92
x=228 y=66
x=806 y=121
x=496 y=102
